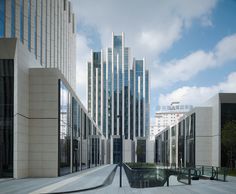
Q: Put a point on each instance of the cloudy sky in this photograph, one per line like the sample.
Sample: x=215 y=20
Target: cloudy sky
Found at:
x=189 y=45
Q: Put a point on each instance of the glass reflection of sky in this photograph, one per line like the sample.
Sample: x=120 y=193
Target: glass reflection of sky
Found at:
x=64 y=110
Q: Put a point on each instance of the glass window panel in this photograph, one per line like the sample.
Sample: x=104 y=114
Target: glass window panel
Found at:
x=2 y=18
x=65 y=131
x=6 y=117
x=13 y=13
x=29 y=24
x=228 y=151
x=21 y=20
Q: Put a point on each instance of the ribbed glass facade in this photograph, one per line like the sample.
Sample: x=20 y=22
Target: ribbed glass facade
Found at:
x=123 y=92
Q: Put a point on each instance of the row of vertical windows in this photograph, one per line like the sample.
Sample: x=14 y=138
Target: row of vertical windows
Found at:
x=35 y=20
x=142 y=118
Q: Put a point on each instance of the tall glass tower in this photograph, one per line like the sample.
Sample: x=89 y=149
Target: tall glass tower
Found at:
x=115 y=89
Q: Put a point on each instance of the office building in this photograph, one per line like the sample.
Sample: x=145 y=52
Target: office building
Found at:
x=198 y=137
x=168 y=115
x=44 y=129
x=118 y=97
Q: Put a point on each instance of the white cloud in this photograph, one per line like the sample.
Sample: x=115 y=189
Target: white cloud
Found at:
x=184 y=69
x=83 y=54
x=151 y=26
x=198 y=95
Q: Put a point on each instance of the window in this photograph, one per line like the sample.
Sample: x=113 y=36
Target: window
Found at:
x=141 y=151
x=228 y=118
x=64 y=131
x=41 y=33
x=35 y=28
x=65 y=3
x=2 y=18
x=116 y=150
x=75 y=135
x=29 y=25
x=6 y=117
x=13 y=13
x=21 y=20
x=190 y=141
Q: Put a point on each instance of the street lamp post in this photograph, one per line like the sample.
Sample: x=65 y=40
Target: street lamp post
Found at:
x=121 y=149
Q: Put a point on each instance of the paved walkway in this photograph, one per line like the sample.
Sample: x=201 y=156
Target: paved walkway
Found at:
x=96 y=176
x=83 y=179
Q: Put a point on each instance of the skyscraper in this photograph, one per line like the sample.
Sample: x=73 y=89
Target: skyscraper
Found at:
x=45 y=131
x=118 y=97
x=45 y=28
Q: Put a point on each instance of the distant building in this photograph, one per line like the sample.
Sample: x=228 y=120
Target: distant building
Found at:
x=169 y=115
x=119 y=86
x=197 y=138
x=153 y=131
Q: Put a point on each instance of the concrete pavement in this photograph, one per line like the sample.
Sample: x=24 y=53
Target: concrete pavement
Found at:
x=82 y=179
x=96 y=176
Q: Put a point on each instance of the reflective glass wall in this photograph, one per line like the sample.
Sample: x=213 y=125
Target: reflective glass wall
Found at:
x=141 y=150
x=65 y=131
x=95 y=151
x=181 y=138
x=116 y=150
x=79 y=137
x=6 y=117
x=76 y=135
x=176 y=145
x=162 y=148
x=190 y=140
x=173 y=145
x=228 y=138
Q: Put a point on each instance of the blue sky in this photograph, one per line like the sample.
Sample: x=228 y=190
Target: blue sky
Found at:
x=189 y=45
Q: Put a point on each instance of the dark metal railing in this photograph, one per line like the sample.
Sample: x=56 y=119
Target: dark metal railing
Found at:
x=214 y=173
x=154 y=177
